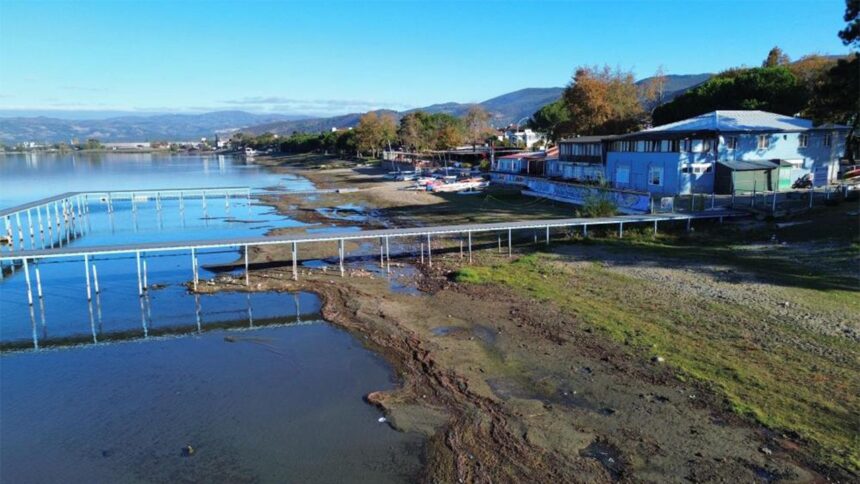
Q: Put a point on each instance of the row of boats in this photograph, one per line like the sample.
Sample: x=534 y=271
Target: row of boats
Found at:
x=441 y=182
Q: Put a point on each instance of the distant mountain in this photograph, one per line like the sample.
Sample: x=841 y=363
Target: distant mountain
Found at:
x=172 y=127
x=676 y=84
x=505 y=109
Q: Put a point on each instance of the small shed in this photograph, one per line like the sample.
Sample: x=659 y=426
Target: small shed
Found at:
x=743 y=175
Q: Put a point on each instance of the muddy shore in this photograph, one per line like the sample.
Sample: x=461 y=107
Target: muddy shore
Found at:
x=508 y=387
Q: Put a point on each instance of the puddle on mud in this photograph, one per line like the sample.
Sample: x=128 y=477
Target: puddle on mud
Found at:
x=484 y=333
x=349 y=212
x=547 y=392
x=607 y=455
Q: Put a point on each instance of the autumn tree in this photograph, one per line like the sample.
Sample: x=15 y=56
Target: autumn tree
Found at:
x=477 y=125
x=776 y=57
x=374 y=132
x=653 y=92
x=603 y=101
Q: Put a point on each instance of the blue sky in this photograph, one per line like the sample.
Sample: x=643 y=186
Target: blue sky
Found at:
x=336 y=57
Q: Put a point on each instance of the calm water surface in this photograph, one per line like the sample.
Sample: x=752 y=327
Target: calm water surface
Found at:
x=258 y=384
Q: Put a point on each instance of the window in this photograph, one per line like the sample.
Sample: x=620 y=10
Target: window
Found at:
x=622 y=174
x=686 y=145
x=731 y=142
x=674 y=146
x=803 y=140
x=655 y=176
x=828 y=139
x=763 y=142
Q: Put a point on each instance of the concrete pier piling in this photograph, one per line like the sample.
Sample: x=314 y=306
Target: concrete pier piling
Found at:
x=87 y=274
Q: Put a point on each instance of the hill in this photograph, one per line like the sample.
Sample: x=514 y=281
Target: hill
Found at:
x=130 y=128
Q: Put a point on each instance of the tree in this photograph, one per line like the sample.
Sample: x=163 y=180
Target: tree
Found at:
x=773 y=89
x=776 y=57
x=603 y=101
x=368 y=133
x=850 y=35
x=411 y=131
x=477 y=121
x=552 y=119
x=653 y=92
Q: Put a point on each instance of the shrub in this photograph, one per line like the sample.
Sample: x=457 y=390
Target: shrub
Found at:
x=599 y=205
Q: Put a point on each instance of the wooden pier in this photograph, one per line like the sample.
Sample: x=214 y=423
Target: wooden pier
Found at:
x=423 y=234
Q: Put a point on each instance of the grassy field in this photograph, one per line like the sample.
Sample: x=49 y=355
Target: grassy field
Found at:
x=786 y=376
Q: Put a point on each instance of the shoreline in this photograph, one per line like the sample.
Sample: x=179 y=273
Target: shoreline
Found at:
x=475 y=394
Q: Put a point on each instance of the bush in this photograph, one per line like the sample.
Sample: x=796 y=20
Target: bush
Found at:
x=468 y=275
x=599 y=205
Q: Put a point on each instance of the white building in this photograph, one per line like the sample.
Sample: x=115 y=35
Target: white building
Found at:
x=525 y=137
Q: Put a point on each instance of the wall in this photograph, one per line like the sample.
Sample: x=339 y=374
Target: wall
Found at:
x=816 y=156
x=626 y=201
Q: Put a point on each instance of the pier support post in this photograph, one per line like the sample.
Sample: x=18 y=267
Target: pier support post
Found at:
x=194 y=268
x=295 y=262
x=811 y=196
x=461 y=246
x=500 y=243
x=30 y=227
x=27 y=279
x=140 y=280
x=8 y=224
x=247 y=274
x=470 y=247
x=145 y=280
x=689 y=224
x=38 y=279
x=41 y=227
x=620 y=230
x=387 y=256
x=429 y=252
x=510 y=249
x=20 y=230
x=87 y=274
x=655 y=228
x=96 y=281
x=584 y=230
x=773 y=203
x=341 y=255
x=421 y=251
x=381 y=253
x=547 y=235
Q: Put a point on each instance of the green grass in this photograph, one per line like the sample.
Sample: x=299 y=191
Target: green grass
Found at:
x=810 y=386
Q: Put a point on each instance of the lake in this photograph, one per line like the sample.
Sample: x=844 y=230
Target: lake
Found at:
x=113 y=389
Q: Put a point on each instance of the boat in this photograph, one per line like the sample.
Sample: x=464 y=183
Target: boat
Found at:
x=852 y=173
x=458 y=186
x=249 y=152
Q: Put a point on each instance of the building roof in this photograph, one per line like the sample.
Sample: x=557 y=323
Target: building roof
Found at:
x=530 y=154
x=588 y=139
x=749 y=165
x=737 y=121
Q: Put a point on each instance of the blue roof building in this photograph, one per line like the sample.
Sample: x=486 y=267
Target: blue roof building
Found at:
x=706 y=153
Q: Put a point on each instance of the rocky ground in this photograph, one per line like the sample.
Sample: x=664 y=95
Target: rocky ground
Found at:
x=595 y=361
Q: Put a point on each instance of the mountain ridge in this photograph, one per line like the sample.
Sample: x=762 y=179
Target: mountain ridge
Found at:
x=507 y=108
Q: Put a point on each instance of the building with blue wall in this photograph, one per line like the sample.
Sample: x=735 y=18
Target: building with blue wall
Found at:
x=682 y=157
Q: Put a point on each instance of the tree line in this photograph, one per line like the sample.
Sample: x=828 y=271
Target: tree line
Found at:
x=375 y=131
x=601 y=100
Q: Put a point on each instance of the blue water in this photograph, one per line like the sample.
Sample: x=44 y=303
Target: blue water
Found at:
x=110 y=389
